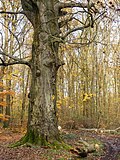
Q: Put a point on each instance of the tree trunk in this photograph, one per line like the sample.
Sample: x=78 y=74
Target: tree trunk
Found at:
x=8 y=101
x=1 y=89
x=24 y=87
x=42 y=118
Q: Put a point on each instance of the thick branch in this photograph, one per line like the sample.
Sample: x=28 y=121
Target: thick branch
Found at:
x=61 y=5
x=9 y=12
x=16 y=60
x=10 y=56
x=13 y=63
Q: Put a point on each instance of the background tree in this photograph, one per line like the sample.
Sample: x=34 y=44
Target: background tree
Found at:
x=14 y=30
x=89 y=67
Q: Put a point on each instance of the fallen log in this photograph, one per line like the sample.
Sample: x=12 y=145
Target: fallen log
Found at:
x=85 y=150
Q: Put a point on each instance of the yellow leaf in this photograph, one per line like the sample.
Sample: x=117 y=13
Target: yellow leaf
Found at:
x=5 y=119
x=58 y=106
x=90 y=95
x=53 y=97
x=1 y=115
x=87 y=98
x=3 y=104
x=70 y=107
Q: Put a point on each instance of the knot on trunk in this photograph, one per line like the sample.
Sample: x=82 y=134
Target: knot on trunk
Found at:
x=59 y=63
x=38 y=73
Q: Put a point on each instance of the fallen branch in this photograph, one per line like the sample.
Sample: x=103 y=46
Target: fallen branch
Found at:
x=101 y=130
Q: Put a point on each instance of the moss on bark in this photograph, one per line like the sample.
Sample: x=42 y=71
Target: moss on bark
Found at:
x=33 y=139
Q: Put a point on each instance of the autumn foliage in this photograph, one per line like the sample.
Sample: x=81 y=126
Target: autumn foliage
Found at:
x=3 y=103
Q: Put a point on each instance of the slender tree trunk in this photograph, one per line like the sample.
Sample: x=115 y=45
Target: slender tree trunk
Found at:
x=1 y=88
x=25 y=87
x=8 y=101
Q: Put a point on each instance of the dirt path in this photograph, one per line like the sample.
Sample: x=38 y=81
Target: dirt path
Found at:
x=112 y=147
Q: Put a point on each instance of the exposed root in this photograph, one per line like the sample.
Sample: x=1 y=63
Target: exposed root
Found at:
x=29 y=141
x=21 y=142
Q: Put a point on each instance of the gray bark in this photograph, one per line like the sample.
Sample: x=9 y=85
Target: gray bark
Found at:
x=42 y=119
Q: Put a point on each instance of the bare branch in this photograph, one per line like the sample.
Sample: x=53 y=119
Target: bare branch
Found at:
x=65 y=22
x=13 y=63
x=9 y=12
x=16 y=60
x=16 y=37
x=76 y=29
x=61 y=5
x=84 y=26
x=10 y=56
x=100 y=15
x=2 y=61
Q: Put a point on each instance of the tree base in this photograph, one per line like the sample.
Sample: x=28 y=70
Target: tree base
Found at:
x=32 y=140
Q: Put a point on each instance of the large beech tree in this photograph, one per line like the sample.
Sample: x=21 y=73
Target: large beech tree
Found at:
x=45 y=17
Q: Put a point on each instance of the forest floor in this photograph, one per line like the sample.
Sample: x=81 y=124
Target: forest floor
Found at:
x=109 y=146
